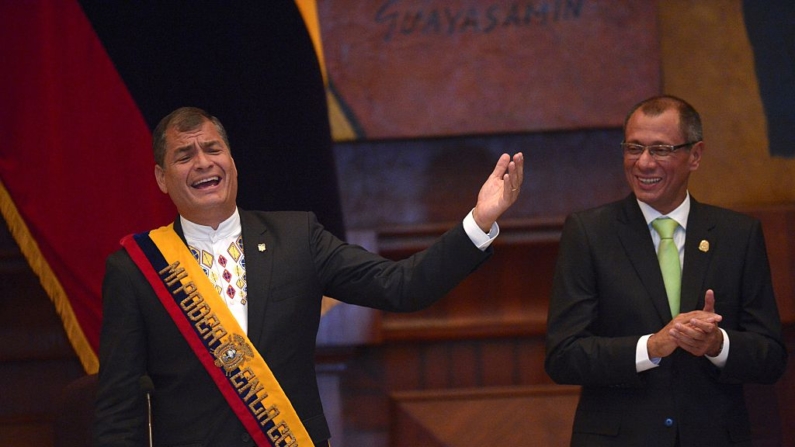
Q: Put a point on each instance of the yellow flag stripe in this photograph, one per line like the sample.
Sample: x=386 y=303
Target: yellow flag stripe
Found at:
x=341 y=127
x=49 y=281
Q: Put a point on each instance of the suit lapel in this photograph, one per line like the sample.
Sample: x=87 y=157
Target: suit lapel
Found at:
x=699 y=246
x=636 y=240
x=257 y=245
x=179 y=231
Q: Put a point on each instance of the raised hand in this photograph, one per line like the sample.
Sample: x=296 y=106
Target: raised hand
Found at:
x=500 y=190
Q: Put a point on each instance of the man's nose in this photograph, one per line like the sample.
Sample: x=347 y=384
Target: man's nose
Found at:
x=202 y=160
x=646 y=158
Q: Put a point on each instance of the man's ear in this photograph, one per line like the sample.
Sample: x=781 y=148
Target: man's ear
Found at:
x=160 y=177
x=695 y=155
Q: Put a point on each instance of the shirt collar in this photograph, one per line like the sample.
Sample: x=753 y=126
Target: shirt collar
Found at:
x=226 y=229
x=680 y=214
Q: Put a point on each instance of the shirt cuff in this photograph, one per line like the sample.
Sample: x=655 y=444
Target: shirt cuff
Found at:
x=642 y=360
x=476 y=235
x=720 y=359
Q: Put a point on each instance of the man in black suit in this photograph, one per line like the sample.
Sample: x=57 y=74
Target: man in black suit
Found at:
x=654 y=371
x=271 y=270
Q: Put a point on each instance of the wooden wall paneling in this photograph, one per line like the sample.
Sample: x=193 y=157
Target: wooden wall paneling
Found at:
x=529 y=361
x=497 y=363
x=376 y=371
x=778 y=223
x=785 y=391
x=36 y=360
x=514 y=416
x=506 y=296
x=26 y=431
x=436 y=367
x=364 y=406
x=465 y=366
x=404 y=366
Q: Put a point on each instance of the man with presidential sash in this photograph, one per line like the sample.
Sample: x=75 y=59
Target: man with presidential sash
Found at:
x=221 y=307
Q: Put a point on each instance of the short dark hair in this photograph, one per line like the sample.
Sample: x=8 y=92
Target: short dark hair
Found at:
x=183 y=119
x=689 y=119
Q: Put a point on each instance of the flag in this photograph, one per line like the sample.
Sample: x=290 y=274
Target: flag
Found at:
x=83 y=86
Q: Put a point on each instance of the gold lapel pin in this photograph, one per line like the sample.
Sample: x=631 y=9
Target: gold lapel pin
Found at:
x=261 y=247
x=704 y=246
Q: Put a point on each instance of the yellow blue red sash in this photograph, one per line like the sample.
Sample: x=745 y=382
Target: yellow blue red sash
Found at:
x=209 y=327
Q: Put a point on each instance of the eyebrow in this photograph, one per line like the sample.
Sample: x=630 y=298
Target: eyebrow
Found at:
x=655 y=143
x=188 y=147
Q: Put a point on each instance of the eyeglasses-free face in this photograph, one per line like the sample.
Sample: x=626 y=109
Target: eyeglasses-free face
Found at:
x=199 y=174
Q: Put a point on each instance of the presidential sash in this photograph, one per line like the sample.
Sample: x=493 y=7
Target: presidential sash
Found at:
x=215 y=336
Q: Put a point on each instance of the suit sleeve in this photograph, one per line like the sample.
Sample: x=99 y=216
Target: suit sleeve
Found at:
x=120 y=405
x=757 y=353
x=577 y=352
x=353 y=275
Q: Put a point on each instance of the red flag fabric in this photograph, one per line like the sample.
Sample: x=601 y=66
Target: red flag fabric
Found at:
x=72 y=161
x=82 y=86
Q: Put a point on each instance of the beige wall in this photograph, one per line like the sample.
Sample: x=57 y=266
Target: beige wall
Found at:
x=707 y=60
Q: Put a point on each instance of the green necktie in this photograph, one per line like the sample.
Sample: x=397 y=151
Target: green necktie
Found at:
x=668 y=255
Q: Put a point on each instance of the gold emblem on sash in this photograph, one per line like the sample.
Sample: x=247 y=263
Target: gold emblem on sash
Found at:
x=232 y=353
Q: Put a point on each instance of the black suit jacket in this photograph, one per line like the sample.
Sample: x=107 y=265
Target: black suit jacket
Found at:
x=286 y=282
x=608 y=292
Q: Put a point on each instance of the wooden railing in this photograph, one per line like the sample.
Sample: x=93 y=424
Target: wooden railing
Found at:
x=488 y=333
